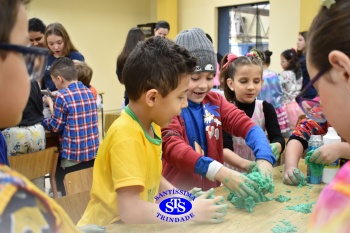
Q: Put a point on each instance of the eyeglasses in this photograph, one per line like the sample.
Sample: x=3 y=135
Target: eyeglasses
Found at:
x=311 y=107
x=35 y=58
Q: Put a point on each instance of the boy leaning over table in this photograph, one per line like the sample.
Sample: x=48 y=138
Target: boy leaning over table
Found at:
x=128 y=167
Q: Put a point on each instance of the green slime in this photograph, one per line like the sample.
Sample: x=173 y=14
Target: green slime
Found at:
x=316 y=168
x=288 y=227
x=263 y=186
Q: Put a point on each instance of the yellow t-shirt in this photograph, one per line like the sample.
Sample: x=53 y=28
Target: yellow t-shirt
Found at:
x=127 y=157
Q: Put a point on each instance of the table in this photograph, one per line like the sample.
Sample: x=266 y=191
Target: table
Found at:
x=264 y=217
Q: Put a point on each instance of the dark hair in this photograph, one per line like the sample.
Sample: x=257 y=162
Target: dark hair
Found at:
x=268 y=55
x=134 y=36
x=304 y=35
x=8 y=17
x=36 y=25
x=209 y=37
x=230 y=71
x=58 y=30
x=84 y=72
x=64 y=67
x=330 y=30
x=162 y=24
x=293 y=59
x=156 y=63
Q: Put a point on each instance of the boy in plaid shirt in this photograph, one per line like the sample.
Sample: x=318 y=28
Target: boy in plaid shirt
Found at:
x=74 y=117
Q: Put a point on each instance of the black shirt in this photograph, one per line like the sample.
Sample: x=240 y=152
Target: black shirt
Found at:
x=33 y=112
x=271 y=124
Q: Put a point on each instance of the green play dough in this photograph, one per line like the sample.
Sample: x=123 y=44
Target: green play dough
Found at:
x=302 y=180
x=282 y=198
x=316 y=168
x=263 y=186
x=303 y=208
x=288 y=227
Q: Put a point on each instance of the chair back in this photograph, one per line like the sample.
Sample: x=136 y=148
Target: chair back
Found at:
x=110 y=118
x=37 y=164
x=78 y=181
x=75 y=204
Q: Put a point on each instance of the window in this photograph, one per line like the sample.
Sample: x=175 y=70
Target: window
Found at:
x=242 y=28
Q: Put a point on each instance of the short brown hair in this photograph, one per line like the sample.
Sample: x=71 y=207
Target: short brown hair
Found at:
x=84 y=72
x=156 y=63
x=330 y=30
x=8 y=16
x=64 y=67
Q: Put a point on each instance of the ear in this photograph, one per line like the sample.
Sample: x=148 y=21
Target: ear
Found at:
x=151 y=97
x=229 y=83
x=60 y=79
x=341 y=64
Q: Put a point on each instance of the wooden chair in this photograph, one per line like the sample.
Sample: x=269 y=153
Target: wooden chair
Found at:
x=75 y=204
x=37 y=164
x=110 y=118
x=78 y=181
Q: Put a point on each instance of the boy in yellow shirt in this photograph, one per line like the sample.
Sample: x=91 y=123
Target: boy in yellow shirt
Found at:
x=127 y=170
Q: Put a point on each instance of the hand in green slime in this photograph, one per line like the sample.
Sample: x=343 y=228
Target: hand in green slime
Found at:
x=296 y=177
x=275 y=150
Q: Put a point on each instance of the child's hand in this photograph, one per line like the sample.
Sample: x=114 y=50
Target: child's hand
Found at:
x=326 y=154
x=265 y=168
x=208 y=210
x=47 y=100
x=293 y=176
x=276 y=150
x=196 y=192
x=250 y=165
x=237 y=183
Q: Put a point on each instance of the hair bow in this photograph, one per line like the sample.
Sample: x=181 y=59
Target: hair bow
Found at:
x=253 y=53
x=230 y=58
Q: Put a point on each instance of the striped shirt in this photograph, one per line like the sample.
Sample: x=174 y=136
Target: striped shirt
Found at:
x=75 y=119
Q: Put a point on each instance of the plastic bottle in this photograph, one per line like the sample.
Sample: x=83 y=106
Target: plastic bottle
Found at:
x=330 y=170
x=315 y=142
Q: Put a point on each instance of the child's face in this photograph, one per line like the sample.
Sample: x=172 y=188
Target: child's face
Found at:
x=284 y=63
x=334 y=92
x=200 y=85
x=172 y=104
x=14 y=78
x=56 y=45
x=246 y=83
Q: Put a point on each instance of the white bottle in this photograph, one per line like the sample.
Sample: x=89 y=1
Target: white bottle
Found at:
x=330 y=170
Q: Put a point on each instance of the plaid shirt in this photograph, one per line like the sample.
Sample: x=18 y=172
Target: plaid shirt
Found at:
x=75 y=119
